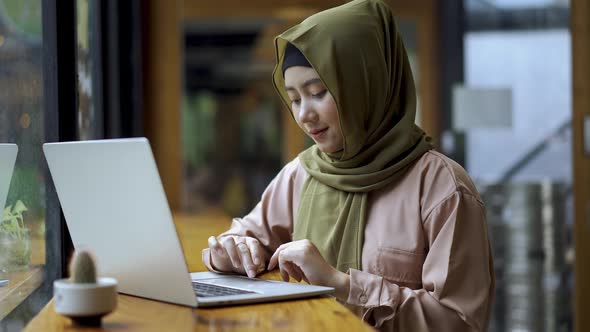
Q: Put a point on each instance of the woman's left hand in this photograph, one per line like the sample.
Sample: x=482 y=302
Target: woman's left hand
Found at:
x=303 y=261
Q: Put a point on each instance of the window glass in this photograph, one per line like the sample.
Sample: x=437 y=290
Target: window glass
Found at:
x=22 y=230
x=89 y=115
x=541 y=102
x=523 y=164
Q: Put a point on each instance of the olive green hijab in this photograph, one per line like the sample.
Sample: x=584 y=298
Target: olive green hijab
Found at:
x=359 y=55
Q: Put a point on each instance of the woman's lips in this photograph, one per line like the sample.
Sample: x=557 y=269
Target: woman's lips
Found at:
x=317 y=133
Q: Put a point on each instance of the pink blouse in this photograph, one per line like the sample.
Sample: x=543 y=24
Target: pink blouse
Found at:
x=426 y=260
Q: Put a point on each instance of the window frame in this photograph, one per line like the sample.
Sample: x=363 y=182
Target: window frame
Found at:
x=59 y=109
x=117 y=47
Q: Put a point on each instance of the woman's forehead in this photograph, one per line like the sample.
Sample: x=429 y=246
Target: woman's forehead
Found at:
x=299 y=76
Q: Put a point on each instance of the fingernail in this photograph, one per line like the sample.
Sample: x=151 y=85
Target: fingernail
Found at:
x=256 y=260
x=251 y=273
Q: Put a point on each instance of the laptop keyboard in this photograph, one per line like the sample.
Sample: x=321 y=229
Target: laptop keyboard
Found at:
x=209 y=290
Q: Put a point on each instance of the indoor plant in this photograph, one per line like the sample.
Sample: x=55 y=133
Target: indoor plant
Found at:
x=15 y=240
x=84 y=297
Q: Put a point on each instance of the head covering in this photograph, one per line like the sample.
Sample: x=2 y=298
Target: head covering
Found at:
x=359 y=56
x=293 y=57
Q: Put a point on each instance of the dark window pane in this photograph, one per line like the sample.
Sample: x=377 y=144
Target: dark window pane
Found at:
x=22 y=230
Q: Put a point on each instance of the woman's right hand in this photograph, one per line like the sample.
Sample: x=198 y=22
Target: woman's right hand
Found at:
x=239 y=254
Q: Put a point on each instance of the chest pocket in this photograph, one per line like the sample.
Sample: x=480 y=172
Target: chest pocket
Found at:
x=400 y=266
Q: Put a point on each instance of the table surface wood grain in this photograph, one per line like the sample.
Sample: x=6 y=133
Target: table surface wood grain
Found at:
x=137 y=314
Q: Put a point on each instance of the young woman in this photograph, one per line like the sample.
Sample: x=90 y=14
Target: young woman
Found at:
x=396 y=228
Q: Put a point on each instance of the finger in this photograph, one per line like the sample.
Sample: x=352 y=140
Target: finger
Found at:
x=230 y=247
x=215 y=246
x=274 y=259
x=246 y=259
x=306 y=280
x=298 y=270
x=256 y=253
x=284 y=273
x=219 y=263
x=286 y=267
x=293 y=271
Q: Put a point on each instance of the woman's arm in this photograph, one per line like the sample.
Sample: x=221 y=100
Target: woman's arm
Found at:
x=457 y=276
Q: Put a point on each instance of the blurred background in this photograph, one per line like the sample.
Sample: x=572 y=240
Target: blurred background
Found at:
x=494 y=87
x=495 y=82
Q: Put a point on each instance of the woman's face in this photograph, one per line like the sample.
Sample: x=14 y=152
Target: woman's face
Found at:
x=313 y=108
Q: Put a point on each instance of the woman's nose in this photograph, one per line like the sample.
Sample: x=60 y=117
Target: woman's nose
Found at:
x=307 y=112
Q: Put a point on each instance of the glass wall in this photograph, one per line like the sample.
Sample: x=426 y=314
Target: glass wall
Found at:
x=22 y=229
x=522 y=163
x=89 y=116
x=537 y=71
x=36 y=49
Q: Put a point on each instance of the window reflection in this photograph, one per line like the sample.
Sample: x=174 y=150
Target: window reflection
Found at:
x=22 y=231
x=89 y=119
x=524 y=170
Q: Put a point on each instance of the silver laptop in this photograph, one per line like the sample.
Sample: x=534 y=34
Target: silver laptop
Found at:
x=8 y=153
x=114 y=204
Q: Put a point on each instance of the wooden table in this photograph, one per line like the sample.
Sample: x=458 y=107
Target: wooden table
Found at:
x=136 y=314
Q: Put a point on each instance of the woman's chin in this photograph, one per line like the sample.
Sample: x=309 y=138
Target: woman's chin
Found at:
x=328 y=149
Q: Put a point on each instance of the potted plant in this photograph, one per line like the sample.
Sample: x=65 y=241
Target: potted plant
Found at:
x=84 y=297
x=15 y=239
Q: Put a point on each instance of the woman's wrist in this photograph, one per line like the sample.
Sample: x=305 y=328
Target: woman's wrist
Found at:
x=342 y=286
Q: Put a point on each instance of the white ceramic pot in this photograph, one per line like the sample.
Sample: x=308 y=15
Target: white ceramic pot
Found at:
x=85 y=304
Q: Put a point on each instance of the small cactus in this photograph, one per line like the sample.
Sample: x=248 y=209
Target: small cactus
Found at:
x=82 y=268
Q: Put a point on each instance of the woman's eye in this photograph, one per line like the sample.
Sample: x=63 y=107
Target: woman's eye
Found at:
x=319 y=95
x=295 y=101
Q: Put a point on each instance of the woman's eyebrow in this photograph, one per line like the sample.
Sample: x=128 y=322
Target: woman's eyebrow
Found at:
x=305 y=84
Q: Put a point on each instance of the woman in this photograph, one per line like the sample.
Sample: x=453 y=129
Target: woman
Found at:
x=396 y=228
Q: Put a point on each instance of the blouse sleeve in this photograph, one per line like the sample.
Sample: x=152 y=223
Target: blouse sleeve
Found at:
x=457 y=276
x=271 y=220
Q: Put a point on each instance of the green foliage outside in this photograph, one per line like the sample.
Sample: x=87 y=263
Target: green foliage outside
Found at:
x=15 y=244
x=25 y=15
x=26 y=183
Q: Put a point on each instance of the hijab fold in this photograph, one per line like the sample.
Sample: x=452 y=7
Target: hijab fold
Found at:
x=359 y=56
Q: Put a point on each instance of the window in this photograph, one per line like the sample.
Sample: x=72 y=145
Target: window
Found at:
x=33 y=77
x=524 y=169
x=89 y=115
x=23 y=228
x=55 y=63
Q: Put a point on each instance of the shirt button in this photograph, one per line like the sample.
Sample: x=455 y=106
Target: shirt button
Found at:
x=363 y=298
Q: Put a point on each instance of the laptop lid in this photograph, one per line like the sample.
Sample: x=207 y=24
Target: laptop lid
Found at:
x=114 y=204
x=8 y=154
